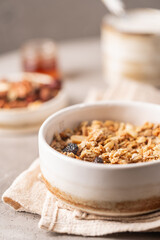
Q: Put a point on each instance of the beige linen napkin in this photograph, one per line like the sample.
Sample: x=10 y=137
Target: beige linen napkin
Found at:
x=126 y=90
x=28 y=193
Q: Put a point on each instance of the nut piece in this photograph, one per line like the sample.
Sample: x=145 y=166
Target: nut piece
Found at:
x=109 y=145
x=77 y=138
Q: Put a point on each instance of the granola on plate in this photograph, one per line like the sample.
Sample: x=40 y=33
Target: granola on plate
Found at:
x=26 y=93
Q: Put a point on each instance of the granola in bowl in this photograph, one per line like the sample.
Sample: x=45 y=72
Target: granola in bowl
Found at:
x=110 y=142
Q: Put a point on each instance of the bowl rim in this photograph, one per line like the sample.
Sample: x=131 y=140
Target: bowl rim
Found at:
x=87 y=164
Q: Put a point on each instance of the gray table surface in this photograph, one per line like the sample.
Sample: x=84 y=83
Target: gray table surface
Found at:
x=81 y=65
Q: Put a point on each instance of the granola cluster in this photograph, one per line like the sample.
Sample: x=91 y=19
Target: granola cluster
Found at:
x=26 y=93
x=110 y=142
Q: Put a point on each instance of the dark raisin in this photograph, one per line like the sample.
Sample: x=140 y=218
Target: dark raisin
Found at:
x=98 y=160
x=71 y=147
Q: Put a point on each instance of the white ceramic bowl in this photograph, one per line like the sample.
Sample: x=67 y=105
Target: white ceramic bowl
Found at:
x=103 y=189
x=24 y=117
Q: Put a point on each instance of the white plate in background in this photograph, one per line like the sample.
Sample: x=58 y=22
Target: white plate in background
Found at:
x=20 y=119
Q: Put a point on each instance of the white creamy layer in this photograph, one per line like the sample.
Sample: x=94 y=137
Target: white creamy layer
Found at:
x=137 y=21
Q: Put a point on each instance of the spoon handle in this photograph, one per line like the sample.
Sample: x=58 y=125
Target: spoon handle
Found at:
x=116 y=7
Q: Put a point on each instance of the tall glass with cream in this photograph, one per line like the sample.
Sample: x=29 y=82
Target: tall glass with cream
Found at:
x=131 y=46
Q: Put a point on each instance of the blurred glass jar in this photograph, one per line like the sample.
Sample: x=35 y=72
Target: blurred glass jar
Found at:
x=40 y=55
x=131 y=46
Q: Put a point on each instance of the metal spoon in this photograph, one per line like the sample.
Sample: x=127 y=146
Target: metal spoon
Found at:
x=116 y=7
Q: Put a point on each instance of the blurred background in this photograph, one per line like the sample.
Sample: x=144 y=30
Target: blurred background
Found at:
x=21 y=20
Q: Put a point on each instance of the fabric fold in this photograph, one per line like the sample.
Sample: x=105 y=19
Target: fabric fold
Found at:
x=28 y=193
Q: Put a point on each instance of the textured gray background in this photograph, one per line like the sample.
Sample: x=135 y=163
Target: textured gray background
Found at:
x=59 y=19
